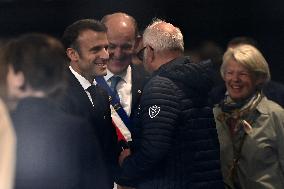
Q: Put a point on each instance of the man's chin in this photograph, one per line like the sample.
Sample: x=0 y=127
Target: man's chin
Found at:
x=118 y=69
x=103 y=73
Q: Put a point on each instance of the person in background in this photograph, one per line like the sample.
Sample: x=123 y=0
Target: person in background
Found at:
x=124 y=80
x=86 y=47
x=7 y=134
x=54 y=149
x=7 y=149
x=250 y=127
x=273 y=90
x=178 y=146
x=241 y=40
x=208 y=50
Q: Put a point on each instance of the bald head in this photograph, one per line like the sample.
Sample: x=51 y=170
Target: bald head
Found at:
x=121 y=21
x=122 y=35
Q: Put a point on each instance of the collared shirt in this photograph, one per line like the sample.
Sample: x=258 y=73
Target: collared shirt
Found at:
x=123 y=88
x=125 y=94
x=84 y=82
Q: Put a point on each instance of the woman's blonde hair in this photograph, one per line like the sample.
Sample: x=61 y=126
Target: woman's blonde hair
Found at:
x=249 y=57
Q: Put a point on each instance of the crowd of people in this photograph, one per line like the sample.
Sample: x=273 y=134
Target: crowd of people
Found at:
x=108 y=107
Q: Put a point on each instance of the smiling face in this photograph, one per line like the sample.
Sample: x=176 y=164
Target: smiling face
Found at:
x=91 y=59
x=122 y=39
x=239 y=81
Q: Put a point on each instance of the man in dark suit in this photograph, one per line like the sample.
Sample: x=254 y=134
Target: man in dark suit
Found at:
x=54 y=150
x=86 y=46
x=122 y=34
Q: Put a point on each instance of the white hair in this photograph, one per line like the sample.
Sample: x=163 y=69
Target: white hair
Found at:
x=161 y=40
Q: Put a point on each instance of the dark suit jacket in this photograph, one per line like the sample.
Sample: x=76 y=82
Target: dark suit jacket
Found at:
x=55 y=150
x=139 y=79
x=76 y=102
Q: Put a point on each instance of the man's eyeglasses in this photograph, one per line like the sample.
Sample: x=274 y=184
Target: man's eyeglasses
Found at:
x=140 y=54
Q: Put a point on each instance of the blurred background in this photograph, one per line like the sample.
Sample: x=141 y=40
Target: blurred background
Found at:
x=200 y=20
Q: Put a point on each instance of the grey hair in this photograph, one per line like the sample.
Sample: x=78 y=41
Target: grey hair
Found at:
x=161 y=40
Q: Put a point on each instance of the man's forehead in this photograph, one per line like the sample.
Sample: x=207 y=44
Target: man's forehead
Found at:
x=93 y=38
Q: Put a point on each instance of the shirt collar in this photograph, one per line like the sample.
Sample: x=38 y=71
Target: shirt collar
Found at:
x=125 y=76
x=83 y=81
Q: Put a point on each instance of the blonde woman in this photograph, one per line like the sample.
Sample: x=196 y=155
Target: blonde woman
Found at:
x=250 y=127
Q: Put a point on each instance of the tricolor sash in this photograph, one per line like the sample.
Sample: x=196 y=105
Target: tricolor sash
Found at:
x=114 y=101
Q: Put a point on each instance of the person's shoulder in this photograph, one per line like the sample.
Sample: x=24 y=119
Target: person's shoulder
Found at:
x=274 y=86
x=275 y=83
x=160 y=80
x=267 y=106
x=158 y=85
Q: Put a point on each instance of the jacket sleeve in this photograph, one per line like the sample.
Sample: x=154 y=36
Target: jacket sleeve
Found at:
x=160 y=110
x=279 y=126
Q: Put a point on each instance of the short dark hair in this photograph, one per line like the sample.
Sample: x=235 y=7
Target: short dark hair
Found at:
x=72 y=32
x=241 y=40
x=40 y=57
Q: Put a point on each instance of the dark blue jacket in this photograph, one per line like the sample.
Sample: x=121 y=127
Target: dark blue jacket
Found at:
x=76 y=102
x=176 y=144
x=55 y=150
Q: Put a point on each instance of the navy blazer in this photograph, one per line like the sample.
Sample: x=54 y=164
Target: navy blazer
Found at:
x=76 y=102
x=139 y=78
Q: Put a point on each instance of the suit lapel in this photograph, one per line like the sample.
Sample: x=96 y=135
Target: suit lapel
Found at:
x=79 y=93
x=137 y=77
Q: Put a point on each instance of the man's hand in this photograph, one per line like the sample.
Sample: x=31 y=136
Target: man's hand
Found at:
x=123 y=155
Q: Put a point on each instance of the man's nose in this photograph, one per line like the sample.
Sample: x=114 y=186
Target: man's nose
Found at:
x=105 y=54
x=118 y=52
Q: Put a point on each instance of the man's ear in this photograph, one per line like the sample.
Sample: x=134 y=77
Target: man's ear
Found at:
x=72 y=54
x=150 y=53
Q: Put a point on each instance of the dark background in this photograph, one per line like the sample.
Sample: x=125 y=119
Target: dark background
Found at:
x=199 y=20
